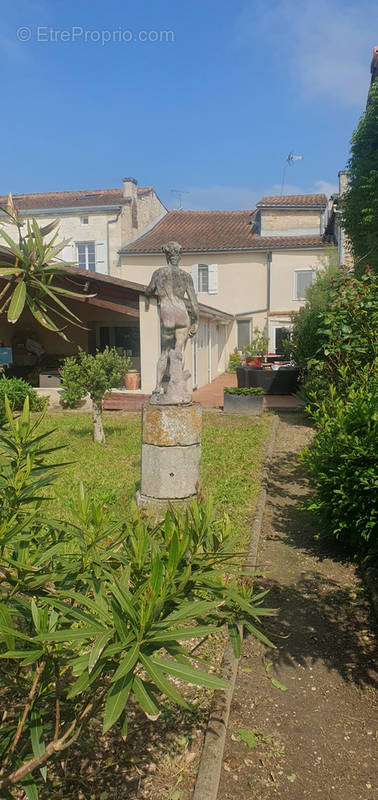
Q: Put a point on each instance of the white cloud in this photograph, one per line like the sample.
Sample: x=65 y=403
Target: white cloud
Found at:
x=326 y=43
x=326 y=187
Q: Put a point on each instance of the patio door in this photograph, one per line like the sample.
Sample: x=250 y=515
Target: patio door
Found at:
x=278 y=335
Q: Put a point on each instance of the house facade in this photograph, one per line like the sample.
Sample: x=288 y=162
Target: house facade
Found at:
x=250 y=269
x=255 y=266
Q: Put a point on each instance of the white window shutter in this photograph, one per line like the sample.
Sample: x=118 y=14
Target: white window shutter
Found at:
x=68 y=253
x=213 y=278
x=195 y=276
x=101 y=258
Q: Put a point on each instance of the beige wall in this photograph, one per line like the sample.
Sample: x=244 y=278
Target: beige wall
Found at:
x=149 y=343
x=284 y=264
x=241 y=277
x=290 y=222
x=242 y=288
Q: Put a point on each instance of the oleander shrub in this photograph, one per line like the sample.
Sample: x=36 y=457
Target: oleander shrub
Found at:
x=96 y=613
x=343 y=464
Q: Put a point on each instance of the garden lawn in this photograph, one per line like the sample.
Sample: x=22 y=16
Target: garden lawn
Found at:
x=232 y=455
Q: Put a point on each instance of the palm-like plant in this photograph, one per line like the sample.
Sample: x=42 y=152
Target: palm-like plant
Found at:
x=31 y=268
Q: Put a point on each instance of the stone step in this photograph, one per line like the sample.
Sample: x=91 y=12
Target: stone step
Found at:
x=122 y=401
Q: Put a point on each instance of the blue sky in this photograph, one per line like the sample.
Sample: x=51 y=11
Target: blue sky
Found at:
x=212 y=111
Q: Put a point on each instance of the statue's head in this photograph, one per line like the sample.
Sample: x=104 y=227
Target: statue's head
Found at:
x=172 y=252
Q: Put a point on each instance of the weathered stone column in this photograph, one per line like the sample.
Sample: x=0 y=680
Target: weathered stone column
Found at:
x=171 y=454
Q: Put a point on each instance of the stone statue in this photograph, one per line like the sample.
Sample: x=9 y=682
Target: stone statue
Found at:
x=178 y=321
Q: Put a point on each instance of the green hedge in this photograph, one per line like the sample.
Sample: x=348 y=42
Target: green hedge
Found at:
x=343 y=464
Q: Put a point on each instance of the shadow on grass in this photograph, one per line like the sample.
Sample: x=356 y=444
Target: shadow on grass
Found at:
x=87 y=432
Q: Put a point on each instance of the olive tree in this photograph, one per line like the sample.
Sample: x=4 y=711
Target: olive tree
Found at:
x=95 y=375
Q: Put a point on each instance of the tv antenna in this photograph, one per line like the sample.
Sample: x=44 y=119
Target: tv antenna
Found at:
x=289 y=161
x=179 y=193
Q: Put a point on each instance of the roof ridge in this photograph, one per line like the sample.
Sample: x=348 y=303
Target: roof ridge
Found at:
x=211 y=210
x=72 y=191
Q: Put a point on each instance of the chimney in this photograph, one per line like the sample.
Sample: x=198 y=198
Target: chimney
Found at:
x=343 y=181
x=130 y=192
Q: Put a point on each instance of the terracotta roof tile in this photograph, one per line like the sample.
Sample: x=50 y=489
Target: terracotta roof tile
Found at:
x=294 y=200
x=212 y=231
x=71 y=199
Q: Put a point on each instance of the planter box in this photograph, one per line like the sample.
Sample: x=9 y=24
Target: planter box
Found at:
x=49 y=380
x=280 y=381
x=243 y=404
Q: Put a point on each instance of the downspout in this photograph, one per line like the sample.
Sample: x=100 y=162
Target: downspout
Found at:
x=268 y=266
x=268 y=279
x=110 y=222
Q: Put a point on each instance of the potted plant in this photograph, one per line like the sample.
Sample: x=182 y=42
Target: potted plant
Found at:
x=243 y=400
x=257 y=347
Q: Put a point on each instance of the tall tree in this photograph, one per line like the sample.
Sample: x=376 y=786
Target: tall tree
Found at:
x=360 y=205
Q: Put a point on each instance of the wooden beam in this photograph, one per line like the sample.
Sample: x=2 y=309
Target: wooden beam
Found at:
x=120 y=308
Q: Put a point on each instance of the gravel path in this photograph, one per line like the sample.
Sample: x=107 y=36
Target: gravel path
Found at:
x=307 y=708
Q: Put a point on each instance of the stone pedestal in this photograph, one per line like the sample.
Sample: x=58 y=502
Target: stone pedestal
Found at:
x=171 y=454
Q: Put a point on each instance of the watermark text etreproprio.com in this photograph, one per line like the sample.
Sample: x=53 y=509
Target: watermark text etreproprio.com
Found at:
x=43 y=33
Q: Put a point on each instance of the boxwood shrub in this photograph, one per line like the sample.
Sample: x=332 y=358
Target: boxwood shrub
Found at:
x=252 y=390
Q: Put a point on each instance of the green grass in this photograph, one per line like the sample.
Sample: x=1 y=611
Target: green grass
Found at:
x=232 y=455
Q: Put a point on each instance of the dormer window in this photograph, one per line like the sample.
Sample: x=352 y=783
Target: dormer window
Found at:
x=84 y=220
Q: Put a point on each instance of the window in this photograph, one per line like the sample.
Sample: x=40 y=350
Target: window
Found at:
x=203 y=278
x=124 y=338
x=86 y=256
x=84 y=220
x=244 y=332
x=279 y=332
x=280 y=335
x=303 y=278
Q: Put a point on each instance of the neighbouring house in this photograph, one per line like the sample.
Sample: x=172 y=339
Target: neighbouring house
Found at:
x=97 y=221
x=255 y=266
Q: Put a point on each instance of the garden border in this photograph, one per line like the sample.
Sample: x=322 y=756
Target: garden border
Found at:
x=209 y=770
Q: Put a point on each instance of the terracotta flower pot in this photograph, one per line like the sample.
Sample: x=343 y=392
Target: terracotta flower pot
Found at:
x=132 y=380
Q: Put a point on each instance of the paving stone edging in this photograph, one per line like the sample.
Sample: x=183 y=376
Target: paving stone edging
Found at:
x=209 y=771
